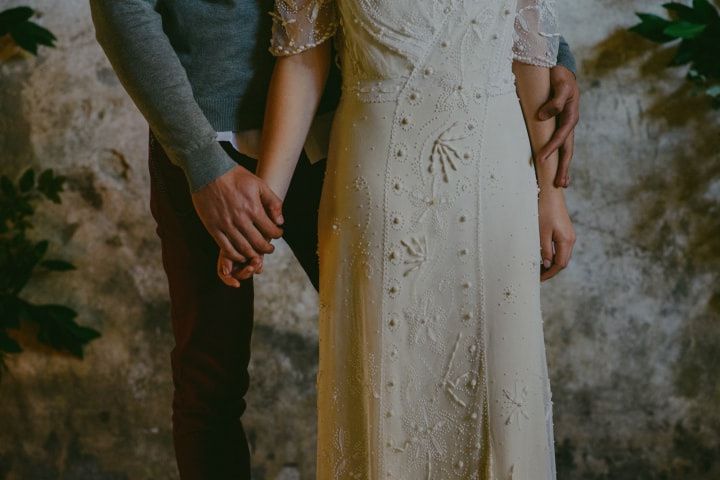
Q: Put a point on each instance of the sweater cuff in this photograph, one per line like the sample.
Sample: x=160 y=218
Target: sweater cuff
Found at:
x=205 y=164
x=565 y=57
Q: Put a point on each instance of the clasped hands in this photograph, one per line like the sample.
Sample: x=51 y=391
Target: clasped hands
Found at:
x=243 y=214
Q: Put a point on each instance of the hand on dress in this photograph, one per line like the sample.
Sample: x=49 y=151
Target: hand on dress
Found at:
x=565 y=105
x=242 y=214
x=557 y=236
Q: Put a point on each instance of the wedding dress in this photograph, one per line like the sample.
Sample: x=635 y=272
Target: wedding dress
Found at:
x=432 y=359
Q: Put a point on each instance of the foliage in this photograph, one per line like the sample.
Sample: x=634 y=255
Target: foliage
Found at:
x=697 y=27
x=27 y=34
x=21 y=258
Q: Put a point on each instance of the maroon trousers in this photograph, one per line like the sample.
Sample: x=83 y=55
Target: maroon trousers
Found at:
x=213 y=323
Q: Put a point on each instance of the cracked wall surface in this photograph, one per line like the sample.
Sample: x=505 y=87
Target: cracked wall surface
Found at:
x=632 y=328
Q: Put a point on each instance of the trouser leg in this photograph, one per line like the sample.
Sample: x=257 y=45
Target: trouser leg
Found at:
x=212 y=324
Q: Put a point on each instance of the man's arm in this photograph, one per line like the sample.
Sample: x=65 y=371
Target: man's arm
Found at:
x=565 y=106
x=565 y=57
x=130 y=32
x=236 y=207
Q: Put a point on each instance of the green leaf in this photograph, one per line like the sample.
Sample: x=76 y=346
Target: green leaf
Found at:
x=11 y=309
x=7 y=187
x=27 y=180
x=8 y=345
x=683 y=12
x=685 y=54
x=652 y=27
x=57 y=265
x=40 y=248
x=680 y=8
x=683 y=29
x=14 y=16
x=51 y=185
x=29 y=35
x=58 y=329
x=705 y=10
x=714 y=91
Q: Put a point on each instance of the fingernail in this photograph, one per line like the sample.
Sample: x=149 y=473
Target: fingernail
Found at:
x=280 y=220
x=547 y=263
x=225 y=271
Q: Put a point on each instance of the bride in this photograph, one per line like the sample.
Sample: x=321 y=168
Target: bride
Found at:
x=432 y=359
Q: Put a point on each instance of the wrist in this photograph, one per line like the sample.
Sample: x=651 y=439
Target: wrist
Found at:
x=550 y=192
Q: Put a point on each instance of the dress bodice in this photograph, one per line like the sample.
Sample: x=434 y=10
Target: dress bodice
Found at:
x=459 y=44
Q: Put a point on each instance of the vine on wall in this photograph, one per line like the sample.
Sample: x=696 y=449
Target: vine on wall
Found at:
x=696 y=30
x=21 y=256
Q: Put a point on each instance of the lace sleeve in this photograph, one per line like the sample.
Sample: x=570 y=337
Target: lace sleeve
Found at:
x=536 y=33
x=299 y=25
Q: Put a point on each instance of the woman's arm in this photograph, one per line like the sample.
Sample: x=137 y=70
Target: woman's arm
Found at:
x=533 y=87
x=295 y=90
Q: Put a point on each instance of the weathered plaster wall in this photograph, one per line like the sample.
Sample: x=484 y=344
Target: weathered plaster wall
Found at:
x=632 y=328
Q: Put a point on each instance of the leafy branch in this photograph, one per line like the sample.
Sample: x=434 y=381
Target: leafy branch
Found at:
x=21 y=258
x=697 y=27
x=27 y=34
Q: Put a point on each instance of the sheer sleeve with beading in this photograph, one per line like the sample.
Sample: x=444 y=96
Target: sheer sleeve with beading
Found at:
x=299 y=25
x=536 y=39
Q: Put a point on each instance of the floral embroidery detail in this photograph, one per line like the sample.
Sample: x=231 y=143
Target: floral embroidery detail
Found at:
x=515 y=404
x=416 y=254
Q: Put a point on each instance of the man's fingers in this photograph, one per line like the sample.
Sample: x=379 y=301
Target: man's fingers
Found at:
x=228 y=249
x=553 y=107
x=272 y=204
x=257 y=241
x=267 y=227
x=562 y=179
x=559 y=137
x=242 y=245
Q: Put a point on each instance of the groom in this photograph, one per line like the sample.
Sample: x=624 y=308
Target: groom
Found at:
x=198 y=70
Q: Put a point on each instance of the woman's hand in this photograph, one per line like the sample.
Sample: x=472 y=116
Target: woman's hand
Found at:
x=232 y=273
x=557 y=235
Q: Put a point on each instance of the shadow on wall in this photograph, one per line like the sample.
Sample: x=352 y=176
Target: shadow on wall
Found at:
x=676 y=208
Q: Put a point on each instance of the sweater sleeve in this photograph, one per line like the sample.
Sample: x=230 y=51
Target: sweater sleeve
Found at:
x=131 y=34
x=565 y=57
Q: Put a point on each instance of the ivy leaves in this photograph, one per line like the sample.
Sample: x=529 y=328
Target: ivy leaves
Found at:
x=21 y=258
x=697 y=27
x=27 y=34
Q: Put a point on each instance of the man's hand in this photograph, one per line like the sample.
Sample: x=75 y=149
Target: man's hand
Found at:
x=565 y=105
x=241 y=213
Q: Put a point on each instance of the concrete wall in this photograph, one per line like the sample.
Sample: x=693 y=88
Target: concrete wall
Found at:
x=632 y=328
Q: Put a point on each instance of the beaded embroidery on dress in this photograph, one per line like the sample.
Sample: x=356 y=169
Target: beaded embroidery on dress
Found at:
x=432 y=358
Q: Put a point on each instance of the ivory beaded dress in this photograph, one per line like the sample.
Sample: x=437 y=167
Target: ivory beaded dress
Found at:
x=432 y=359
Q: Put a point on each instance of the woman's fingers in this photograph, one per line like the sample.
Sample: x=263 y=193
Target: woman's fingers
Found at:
x=546 y=250
x=245 y=271
x=225 y=270
x=563 y=246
